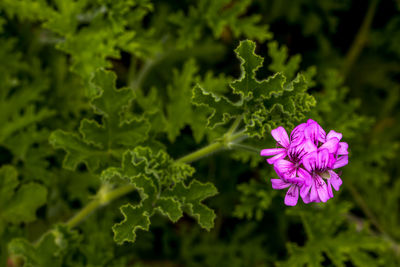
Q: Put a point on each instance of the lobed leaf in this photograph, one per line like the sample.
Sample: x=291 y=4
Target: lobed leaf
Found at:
x=135 y=218
x=18 y=205
x=191 y=197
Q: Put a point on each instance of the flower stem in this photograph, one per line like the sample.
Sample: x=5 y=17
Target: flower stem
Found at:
x=214 y=147
x=360 y=39
x=106 y=194
x=211 y=148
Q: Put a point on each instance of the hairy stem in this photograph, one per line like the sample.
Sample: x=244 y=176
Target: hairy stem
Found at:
x=106 y=194
x=360 y=39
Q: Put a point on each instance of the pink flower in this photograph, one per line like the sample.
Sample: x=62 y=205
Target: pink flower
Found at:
x=282 y=139
x=306 y=160
x=291 y=177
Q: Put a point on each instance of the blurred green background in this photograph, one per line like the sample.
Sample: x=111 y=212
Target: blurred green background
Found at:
x=49 y=50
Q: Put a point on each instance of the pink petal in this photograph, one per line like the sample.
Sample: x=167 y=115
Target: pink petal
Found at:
x=333 y=134
x=305 y=192
x=340 y=162
x=314 y=132
x=292 y=196
x=332 y=145
x=281 y=136
x=330 y=192
x=306 y=199
x=322 y=159
x=331 y=161
x=309 y=146
x=296 y=153
x=303 y=173
x=321 y=188
x=309 y=161
x=271 y=151
x=279 y=156
x=297 y=135
x=279 y=184
x=343 y=146
x=285 y=168
x=313 y=193
x=296 y=180
x=335 y=180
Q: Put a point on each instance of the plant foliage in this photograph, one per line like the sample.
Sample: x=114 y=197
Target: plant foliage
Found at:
x=130 y=131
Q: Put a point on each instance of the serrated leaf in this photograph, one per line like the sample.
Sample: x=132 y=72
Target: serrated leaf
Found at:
x=170 y=207
x=218 y=16
x=50 y=249
x=100 y=144
x=254 y=200
x=191 y=197
x=135 y=218
x=280 y=61
x=17 y=206
x=322 y=228
x=77 y=151
x=222 y=108
x=250 y=63
x=23 y=205
x=263 y=104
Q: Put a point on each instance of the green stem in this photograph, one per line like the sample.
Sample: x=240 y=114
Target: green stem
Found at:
x=246 y=147
x=103 y=197
x=227 y=141
x=106 y=195
x=360 y=39
x=211 y=148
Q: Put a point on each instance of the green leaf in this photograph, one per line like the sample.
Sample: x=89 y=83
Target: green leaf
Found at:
x=135 y=217
x=219 y=16
x=50 y=249
x=101 y=144
x=328 y=234
x=77 y=150
x=19 y=205
x=222 y=108
x=170 y=207
x=255 y=199
x=191 y=197
x=280 y=61
x=250 y=63
x=264 y=104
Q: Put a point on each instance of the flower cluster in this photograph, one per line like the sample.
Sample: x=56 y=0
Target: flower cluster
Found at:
x=305 y=162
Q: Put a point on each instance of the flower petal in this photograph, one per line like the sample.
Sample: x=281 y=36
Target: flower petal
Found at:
x=321 y=188
x=279 y=156
x=271 y=151
x=279 y=184
x=292 y=196
x=285 y=168
x=297 y=135
x=323 y=159
x=340 y=162
x=306 y=199
x=335 y=180
x=330 y=192
x=342 y=150
x=305 y=191
x=314 y=132
x=332 y=145
x=333 y=134
x=296 y=153
x=281 y=136
x=309 y=161
x=313 y=193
